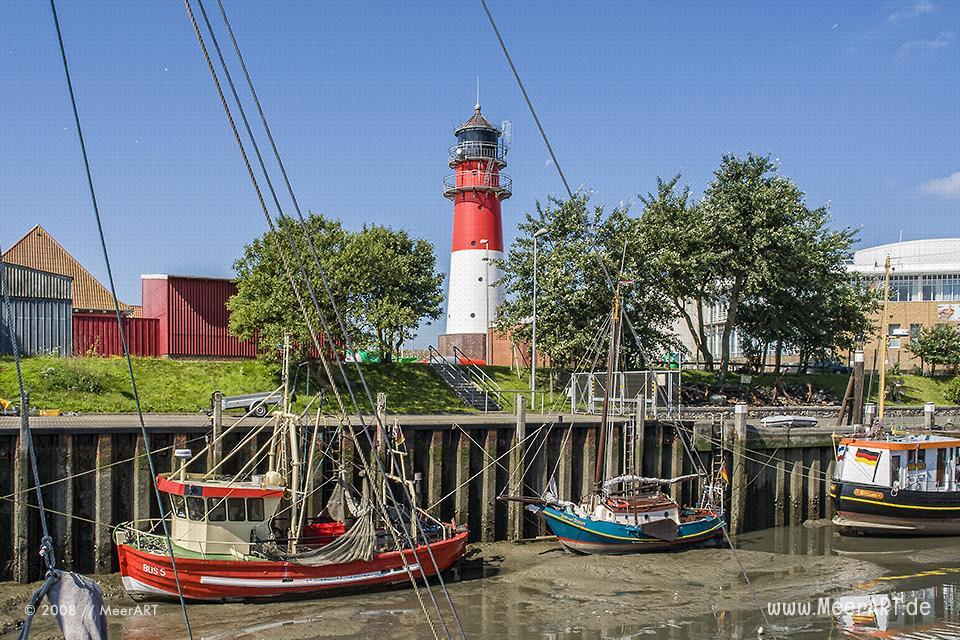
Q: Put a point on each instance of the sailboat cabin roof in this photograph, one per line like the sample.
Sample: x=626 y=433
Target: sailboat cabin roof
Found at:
x=903 y=443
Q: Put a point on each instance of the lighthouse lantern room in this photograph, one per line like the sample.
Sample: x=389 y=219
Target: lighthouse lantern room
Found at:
x=476 y=188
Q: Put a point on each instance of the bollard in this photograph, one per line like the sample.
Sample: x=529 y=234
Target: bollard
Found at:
x=869 y=415
x=929 y=415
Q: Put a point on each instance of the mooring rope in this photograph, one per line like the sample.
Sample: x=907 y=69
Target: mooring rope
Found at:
x=319 y=311
x=116 y=308
x=348 y=343
x=601 y=262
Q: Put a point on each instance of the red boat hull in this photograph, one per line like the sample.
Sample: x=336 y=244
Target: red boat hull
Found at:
x=151 y=575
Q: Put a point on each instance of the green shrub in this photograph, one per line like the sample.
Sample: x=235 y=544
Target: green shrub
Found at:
x=71 y=377
x=952 y=391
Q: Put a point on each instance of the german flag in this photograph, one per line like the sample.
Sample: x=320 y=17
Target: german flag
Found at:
x=867 y=456
x=723 y=473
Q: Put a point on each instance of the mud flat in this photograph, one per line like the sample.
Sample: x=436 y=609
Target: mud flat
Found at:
x=508 y=590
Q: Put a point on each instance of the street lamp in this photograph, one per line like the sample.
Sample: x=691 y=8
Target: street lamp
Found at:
x=486 y=280
x=533 y=325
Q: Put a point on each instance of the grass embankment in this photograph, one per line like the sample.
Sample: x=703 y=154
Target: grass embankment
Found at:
x=102 y=385
x=513 y=385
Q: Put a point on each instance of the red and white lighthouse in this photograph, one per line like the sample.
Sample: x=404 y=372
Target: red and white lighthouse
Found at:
x=476 y=188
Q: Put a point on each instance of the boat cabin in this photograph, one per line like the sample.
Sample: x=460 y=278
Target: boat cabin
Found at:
x=909 y=463
x=220 y=517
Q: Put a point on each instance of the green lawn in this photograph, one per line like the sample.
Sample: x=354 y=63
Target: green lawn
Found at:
x=512 y=385
x=102 y=385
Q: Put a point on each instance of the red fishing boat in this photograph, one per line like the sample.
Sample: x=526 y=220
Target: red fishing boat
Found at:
x=249 y=535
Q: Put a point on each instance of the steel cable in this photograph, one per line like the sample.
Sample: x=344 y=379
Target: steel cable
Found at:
x=116 y=308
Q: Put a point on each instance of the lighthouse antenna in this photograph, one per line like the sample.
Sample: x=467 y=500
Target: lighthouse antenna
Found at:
x=477 y=107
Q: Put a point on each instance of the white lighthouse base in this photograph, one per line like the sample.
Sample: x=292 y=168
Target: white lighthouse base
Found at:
x=472 y=303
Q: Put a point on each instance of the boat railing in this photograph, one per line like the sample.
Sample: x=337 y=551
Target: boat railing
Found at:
x=147 y=535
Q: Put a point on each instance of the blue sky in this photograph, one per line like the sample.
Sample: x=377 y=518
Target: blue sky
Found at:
x=857 y=100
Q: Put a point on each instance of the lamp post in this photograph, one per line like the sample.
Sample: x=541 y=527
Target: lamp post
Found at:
x=486 y=323
x=533 y=325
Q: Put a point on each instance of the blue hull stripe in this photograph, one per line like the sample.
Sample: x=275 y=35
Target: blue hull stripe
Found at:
x=595 y=532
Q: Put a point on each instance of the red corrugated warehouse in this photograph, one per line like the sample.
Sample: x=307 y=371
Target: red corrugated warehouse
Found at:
x=193 y=317
x=97 y=334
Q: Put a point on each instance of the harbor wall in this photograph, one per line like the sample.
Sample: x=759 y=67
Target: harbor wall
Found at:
x=97 y=476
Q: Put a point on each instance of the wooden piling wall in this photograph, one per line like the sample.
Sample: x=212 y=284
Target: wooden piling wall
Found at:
x=461 y=468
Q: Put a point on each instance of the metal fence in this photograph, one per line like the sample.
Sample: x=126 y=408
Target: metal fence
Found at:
x=655 y=394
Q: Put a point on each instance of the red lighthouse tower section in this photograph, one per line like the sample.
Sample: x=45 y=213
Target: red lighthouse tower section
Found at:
x=476 y=188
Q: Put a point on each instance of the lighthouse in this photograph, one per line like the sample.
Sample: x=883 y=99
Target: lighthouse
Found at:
x=476 y=188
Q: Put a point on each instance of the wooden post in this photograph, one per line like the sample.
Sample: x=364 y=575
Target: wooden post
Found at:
x=565 y=466
x=846 y=402
x=462 y=499
x=738 y=484
x=780 y=504
x=103 y=505
x=640 y=427
x=21 y=504
x=518 y=471
x=589 y=460
x=65 y=496
x=676 y=465
x=142 y=482
x=857 y=414
x=612 y=449
x=435 y=473
x=814 y=487
x=216 y=451
x=179 y=442
x=488 y=481
x=828 y=508
x=796 y=494
x=658 y=450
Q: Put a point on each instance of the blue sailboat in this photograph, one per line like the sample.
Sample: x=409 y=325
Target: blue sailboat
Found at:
x=628 y=513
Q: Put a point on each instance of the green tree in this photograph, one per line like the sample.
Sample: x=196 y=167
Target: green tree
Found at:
x=719 y=253
x=395 y=286
x=939 y=344
x=574 y=296
x=807 y=304
x=383 y=281
x=265 y=306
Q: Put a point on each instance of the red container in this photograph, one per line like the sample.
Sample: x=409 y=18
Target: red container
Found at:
x=97 y=334
x=193 y=317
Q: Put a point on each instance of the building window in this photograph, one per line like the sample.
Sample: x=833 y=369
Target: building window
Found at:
x=943 y=287
x=904 y=288
x=915 y=331
x=892 y=329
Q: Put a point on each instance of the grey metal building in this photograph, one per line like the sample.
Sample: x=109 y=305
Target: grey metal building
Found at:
x=41 y=312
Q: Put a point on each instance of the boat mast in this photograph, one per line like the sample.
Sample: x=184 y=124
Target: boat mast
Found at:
x=598 y=473
x=883 y=341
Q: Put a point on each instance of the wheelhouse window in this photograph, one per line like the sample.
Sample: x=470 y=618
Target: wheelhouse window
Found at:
x=196 y=508
x=216 y=509
x=255 y=509
x=236 y=510
x=178 y=505
x=942 y=467
x=895 y=470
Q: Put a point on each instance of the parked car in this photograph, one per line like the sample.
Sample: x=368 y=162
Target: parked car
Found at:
x=829 y=366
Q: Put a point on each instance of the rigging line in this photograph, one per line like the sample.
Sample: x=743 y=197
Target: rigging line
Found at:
x=493 y=461
x=337 y=314
x=306 y=315
x=72 y=476
x=701 y=470
x=47 y=550
x=562 y=176
x=523 y=90
x=116 y=308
